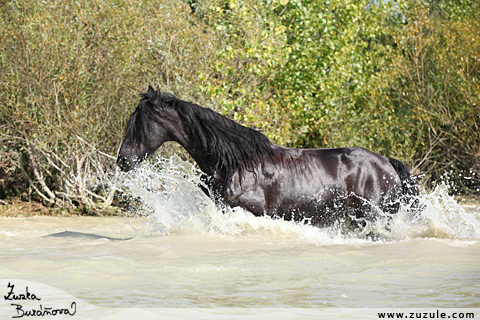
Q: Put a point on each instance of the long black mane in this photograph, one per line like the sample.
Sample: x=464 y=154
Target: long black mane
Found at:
x=230 y=146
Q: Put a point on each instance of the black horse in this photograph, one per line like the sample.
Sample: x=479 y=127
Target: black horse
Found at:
x=246 y=169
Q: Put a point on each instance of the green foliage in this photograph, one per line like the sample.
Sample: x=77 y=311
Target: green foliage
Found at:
x=74 y=67
x=338 y=64
x=440 y=69
x=354 y=72
x=251 y=47
x=309 y=73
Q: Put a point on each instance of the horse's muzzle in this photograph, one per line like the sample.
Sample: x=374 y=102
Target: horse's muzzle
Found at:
x=124 y=164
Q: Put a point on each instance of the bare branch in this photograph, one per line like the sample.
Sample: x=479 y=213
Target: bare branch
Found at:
x=98 y=151
x=37 y=173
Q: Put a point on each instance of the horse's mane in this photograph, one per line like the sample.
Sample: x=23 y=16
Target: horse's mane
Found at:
x=229 y=146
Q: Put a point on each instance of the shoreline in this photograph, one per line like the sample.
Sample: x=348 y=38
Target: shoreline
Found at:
x=22 y=209
x=18 y=208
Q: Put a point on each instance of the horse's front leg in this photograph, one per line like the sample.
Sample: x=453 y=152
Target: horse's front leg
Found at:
x=248 y=195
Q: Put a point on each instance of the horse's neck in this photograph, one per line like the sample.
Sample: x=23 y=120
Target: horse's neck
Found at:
x=203 y=162
x=201 y=156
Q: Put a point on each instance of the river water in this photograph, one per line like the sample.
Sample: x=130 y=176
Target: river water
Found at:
x=175 y=249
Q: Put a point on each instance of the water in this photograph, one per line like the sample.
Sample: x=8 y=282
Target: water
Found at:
x=184 y=252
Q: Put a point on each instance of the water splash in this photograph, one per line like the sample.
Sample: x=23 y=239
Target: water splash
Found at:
x=443 y=217
x=170 y=202
x=168 y=197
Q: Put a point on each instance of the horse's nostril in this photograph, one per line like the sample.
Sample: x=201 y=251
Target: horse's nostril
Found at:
x=124 y=164
x=121 y=161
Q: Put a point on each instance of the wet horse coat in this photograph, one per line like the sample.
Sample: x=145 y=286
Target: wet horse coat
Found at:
x=243 y=168
x=321 y=185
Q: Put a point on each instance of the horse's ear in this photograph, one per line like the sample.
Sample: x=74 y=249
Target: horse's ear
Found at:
x=150 y=89
x=155 y=98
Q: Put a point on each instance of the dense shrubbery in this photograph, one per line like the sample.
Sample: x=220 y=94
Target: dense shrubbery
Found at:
x=439 y=65
x=400 y=78
x=70 y=74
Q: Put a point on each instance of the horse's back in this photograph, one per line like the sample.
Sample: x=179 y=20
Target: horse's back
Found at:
x=337 y=162
x=352 y=173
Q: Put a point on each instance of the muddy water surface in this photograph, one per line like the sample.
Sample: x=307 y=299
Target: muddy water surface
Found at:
x=176 y=250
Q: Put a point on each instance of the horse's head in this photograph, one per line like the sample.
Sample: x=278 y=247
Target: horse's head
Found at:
x=151 y=124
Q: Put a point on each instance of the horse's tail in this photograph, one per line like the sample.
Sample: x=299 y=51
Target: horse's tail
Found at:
x=409 y=186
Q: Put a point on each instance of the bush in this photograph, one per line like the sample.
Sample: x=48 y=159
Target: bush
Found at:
x=439 y=68
x=400 y=78
x=70 y=73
